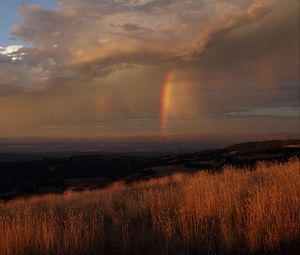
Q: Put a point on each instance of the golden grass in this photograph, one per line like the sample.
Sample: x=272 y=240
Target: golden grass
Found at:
x=236 y=211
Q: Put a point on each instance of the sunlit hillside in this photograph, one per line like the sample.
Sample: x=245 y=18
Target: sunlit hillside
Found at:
x=236 y=211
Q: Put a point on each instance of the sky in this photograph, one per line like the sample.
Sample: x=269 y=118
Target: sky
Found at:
x=9 y=15
x=93 y=68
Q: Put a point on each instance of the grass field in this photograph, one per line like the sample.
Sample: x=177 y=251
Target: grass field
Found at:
x=236 y=211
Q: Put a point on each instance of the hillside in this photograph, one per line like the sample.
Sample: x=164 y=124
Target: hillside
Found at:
x=36 y=176
x=234 y=211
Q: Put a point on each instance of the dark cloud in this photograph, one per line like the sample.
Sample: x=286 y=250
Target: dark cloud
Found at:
x=93 y=38
x=4 y=59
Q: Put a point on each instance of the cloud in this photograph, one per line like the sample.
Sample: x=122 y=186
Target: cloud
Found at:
x=283 y=111
x=12 y=52
x=107 y=60
x=93 y=38
x=10 y=49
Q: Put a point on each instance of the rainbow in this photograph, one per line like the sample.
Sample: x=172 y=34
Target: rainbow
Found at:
x=166 y=100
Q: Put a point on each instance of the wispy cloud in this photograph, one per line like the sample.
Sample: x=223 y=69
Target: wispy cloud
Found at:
x=283 y=111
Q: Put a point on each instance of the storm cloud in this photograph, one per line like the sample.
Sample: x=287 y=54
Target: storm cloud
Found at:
x=108 y=59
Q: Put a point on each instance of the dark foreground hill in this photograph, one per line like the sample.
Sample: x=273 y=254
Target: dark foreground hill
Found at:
x=18 y=178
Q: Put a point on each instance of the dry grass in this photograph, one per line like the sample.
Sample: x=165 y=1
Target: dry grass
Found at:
x=233 y=212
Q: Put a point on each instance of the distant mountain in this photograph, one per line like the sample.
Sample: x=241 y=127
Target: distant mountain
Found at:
x=263 y=146
x=153 y=145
